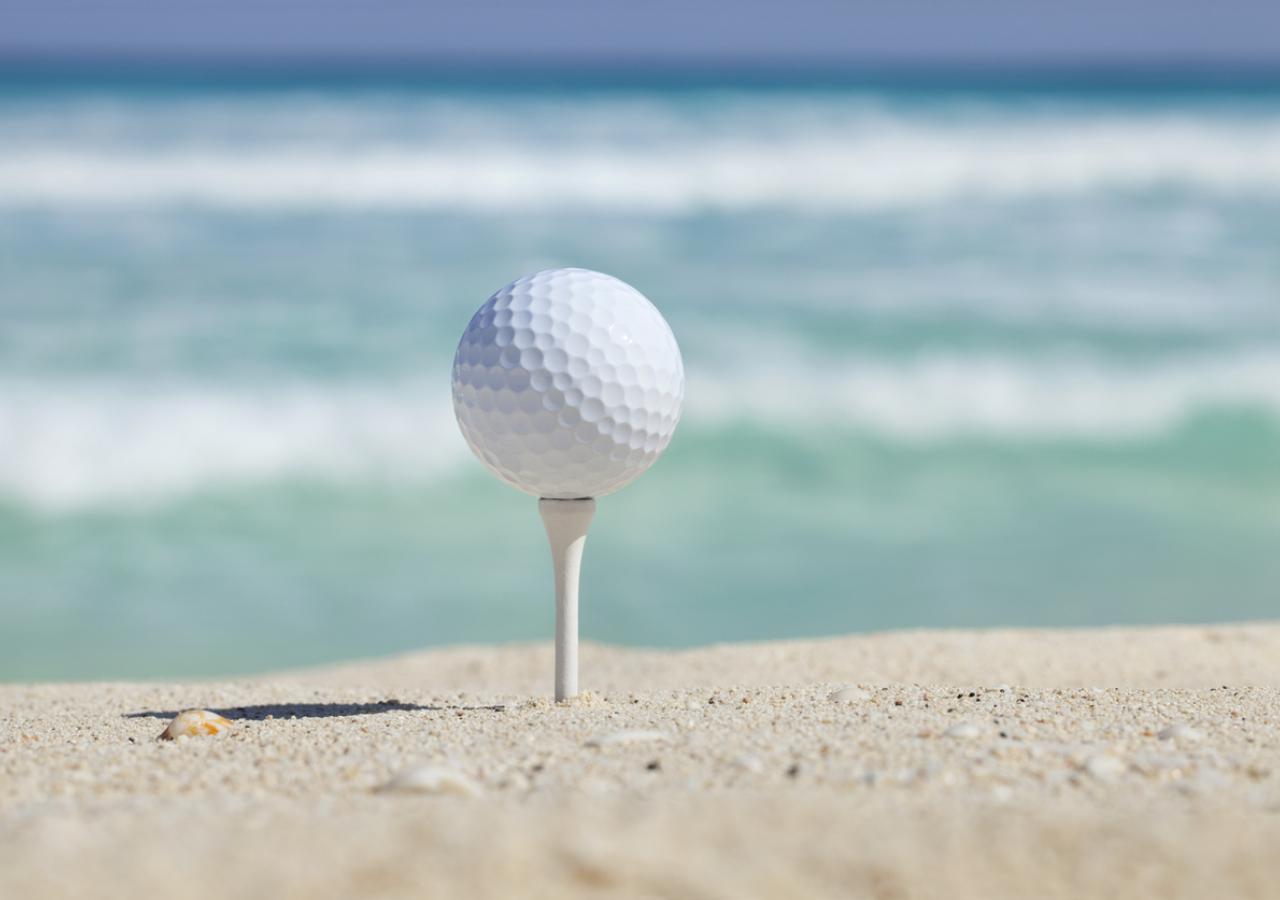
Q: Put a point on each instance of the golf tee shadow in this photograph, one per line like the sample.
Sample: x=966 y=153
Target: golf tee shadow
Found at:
x=261 y=712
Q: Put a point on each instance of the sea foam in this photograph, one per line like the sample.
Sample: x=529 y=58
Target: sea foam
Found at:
x=859 y=162
x=71 y=444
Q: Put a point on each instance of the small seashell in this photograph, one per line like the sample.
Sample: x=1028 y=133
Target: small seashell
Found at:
x=1178 y=732
x=195 y=723
x=1105 y=768
x=849 y=695
x=627 y=737
x=431 y=780
x=963 y=731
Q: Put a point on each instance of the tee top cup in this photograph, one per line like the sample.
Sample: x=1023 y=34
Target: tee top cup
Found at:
x=567 y=385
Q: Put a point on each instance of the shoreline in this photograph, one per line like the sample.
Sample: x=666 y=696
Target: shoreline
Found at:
x=1128 y=761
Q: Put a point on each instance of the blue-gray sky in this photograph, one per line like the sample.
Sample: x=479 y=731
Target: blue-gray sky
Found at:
x=820 y=32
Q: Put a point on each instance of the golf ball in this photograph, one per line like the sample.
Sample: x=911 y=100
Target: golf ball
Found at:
x=568 y=383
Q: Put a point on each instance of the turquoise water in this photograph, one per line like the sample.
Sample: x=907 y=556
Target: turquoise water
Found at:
x=956 y=356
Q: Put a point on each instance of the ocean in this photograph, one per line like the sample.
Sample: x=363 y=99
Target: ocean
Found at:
x=957 y=354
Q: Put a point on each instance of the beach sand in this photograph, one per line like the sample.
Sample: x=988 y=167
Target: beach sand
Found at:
x=1118 y=762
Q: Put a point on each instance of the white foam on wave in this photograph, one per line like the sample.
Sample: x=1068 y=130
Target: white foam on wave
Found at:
x=67 y=445
x=70 y=445
x=944 y=397
x=864 y=165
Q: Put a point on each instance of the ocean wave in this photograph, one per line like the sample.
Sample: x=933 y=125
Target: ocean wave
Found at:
x=75 y=444
x=67 y=445
x=935 y=397
x=891 y=165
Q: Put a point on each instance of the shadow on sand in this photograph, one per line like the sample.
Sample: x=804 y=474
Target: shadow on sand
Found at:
x=263 y=711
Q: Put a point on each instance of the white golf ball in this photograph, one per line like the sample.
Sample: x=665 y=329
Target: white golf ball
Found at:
x=568 y=383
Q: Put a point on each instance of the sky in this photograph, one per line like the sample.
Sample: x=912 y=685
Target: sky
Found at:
x=742 y=32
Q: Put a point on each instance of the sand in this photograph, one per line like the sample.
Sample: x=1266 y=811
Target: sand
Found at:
x=1125 y=762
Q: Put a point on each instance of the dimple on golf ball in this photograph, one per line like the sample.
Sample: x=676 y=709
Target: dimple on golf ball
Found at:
x=568 y=383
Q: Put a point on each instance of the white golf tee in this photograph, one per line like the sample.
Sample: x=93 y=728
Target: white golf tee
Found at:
x=567 y=522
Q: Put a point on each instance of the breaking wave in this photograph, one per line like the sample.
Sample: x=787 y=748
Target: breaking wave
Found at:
x=851 y=160
x=73 y=444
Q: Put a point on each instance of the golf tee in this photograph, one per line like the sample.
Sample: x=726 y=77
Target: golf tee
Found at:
x=566 y=522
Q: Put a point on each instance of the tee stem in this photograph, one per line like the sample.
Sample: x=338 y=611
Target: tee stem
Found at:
x=566 y=522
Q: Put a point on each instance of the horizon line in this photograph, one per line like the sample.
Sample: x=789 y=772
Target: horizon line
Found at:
x=640 y=68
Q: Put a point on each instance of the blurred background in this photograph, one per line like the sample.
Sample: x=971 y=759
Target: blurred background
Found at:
x=980 y=309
